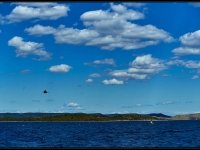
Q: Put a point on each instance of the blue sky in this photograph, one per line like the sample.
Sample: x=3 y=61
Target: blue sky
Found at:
x=100 y=57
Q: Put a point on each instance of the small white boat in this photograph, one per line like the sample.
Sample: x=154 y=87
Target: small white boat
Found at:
x=151 y=122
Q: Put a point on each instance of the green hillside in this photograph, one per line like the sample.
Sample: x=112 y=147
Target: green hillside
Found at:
x=92 y=117
x=73 y=117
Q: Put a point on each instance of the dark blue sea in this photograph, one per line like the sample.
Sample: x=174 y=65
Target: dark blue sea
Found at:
x=121 y=134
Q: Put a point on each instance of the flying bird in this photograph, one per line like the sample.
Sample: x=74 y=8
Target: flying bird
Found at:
x=45 y=92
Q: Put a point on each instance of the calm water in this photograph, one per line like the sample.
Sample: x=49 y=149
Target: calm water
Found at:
x=100 y=134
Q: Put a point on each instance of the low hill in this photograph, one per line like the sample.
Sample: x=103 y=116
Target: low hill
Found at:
x=71 y=117
x=195 y=116
x=92 y=117
x=26 y=115
x=159 y=115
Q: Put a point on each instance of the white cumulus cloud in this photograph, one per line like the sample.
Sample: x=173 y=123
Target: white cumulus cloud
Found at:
x=191 y=39
x=188 y=64
x=43 y=11
x=72 y=104
x=62 y=68
x=112 y=82
x=109 y=30
x=126 y=34
x=186 y=51
x=128 y=75
x=38 y=29
x=24 y=48
x=74 y=36
x=140 y=68
x=190 y=44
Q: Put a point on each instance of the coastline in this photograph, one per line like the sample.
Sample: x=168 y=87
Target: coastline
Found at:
x=102 y=121
x=96 y=117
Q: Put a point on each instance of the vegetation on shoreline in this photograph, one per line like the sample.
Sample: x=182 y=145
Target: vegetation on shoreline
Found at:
x=92 y=117
x=73 y=117
x=187 y=117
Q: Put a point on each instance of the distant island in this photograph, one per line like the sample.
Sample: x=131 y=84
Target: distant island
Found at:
x=93 y=117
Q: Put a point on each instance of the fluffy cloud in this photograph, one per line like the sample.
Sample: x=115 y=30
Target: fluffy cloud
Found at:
x=140 y=68
x=38 y=29
x=119 y=12
x=126 y=74
x=125 y=35
x=191 y=39
x=44 y=11
x=188 y=64
x=62 y=68
x=109 y=30
x=190 y=44
x=72 y=104
x=74 y=36
x=147 y=64
x=63 y=34
x=186 y=51
x=192 y=64
x=24 y=49
x=112 y=82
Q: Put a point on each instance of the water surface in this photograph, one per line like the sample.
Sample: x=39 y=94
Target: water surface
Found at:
x=100 y=134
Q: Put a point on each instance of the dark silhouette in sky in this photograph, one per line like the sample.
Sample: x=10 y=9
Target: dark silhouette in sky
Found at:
x=45 y=92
